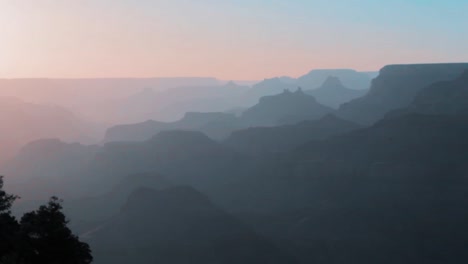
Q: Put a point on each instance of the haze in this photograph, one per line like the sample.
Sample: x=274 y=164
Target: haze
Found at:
x=233 y=132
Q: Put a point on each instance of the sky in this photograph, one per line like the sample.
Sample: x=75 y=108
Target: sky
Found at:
x=230 y=40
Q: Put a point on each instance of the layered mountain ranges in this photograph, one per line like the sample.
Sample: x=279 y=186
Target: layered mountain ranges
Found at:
x=361 y=184
x=284 y=108
x=179 y=225
x=351 y=79
x=171 y=104
x=382 y=183
x=23 y=122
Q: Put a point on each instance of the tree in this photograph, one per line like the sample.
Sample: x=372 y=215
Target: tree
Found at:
x=8 y=225
x=6 y=200
x=42 y=236
x=48 y=239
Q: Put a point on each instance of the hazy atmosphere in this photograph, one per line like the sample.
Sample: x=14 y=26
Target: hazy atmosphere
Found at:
x=229 y=132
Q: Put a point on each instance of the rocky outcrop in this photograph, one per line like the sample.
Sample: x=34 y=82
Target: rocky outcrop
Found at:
x=312 y=80
x=441 y=98
x=278 y=109
x=350 y=78
x=396 y=87
x=333 y=93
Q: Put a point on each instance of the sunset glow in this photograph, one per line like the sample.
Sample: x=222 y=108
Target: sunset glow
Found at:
x=233 y=131
x=224 y=39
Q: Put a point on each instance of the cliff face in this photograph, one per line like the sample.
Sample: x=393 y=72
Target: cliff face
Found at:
x=443 y=97
x=396 y=87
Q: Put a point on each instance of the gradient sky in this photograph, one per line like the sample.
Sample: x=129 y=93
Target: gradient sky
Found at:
x=232 y=39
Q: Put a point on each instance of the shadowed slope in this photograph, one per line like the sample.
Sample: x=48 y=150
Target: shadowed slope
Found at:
x=179 y=225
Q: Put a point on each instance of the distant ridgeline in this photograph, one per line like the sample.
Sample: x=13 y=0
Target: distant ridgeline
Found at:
x=380 y=180
x=396 y=87
x=333 y=93
x=313 y=80
x=277 y=109
x=284 y=108
x=441 y=98
x=215 y=125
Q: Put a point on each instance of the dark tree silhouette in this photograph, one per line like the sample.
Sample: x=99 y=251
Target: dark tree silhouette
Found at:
x=8 y=225
x=47 y=239
x=42 y=236
x=6 y=200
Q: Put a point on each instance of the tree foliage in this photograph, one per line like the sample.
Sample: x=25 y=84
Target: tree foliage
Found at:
x=6 y=200
x=41 y=236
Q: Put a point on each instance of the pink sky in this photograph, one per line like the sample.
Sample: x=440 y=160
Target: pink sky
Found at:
x=229 y=40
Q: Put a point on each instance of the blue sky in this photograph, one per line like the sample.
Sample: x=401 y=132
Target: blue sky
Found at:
x=228 y=39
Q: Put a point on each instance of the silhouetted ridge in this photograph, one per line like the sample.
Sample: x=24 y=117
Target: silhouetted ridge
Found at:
x=350 y=78
x=262 y=141
x=286 y=96
x=231 y=85
x=333 y=93
x=179 y=225
x=43 y=146
x=171 y=104
x=265 y=88
x=102 y=207
x=332 y=81
x=49 y=159
x=23 y=122
x=283 y=108
x=425 y=69
x=186 y=157
x=312 y=80
x=396 y=87
x=133 y=132
x=384 y=189
x=408 y=138
x=449 y=97
x=275 y=84
x=216 y=125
